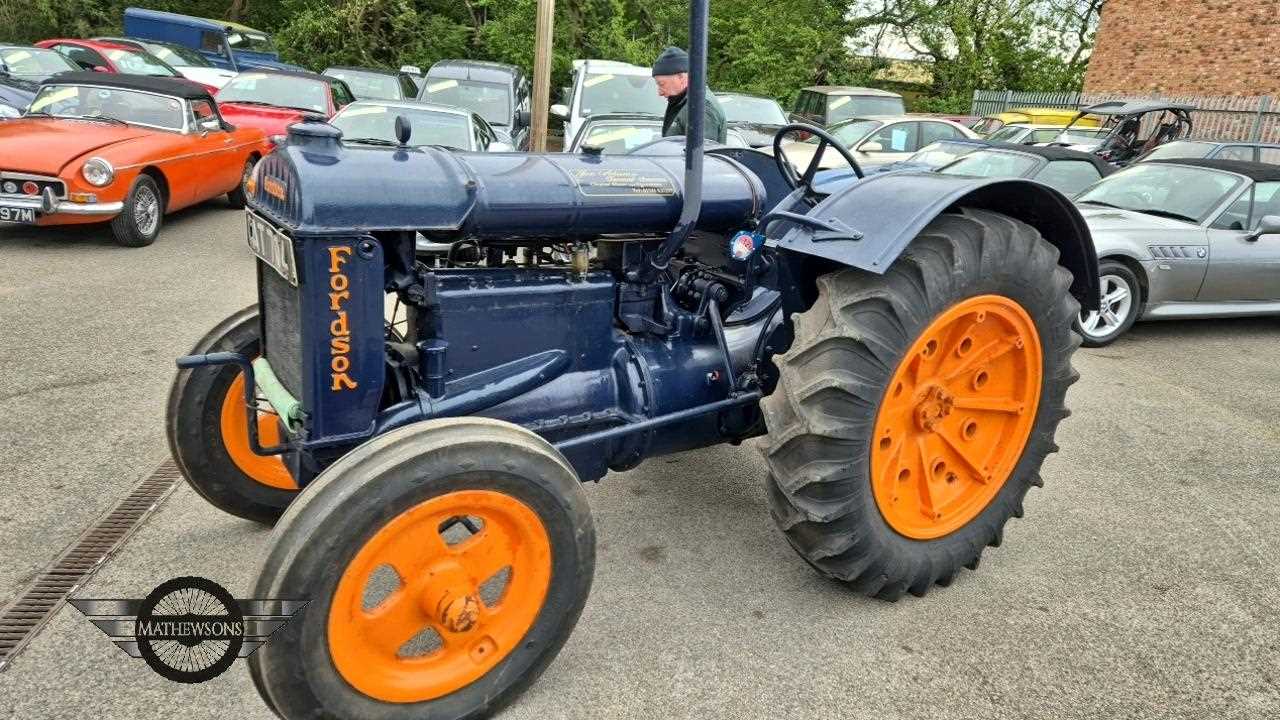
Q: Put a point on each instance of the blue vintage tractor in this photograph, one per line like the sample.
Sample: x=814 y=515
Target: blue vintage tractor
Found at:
x=420 y=425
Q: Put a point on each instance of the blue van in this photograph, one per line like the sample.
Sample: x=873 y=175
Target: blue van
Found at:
x=226 y=44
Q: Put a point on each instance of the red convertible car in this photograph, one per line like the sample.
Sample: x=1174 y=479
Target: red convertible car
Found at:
x=272 y=100
x=112 y=57
x=127 y=149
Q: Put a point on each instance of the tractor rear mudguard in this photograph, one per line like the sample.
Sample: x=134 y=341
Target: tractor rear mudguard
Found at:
x=869 y=223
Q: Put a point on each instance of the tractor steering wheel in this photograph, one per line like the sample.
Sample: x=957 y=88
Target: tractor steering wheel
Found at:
x=824 y=139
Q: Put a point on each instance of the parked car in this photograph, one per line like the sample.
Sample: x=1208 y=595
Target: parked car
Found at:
x=1067 y=171
x=190 y=63
x=931 y=156
x=606 y=87
x=1250 y=152
x=826 y=105
x=373 y=122
x=876 y=140
x=621 y=133
x=97 y=147
x=21 y=71
x=112 y=57
x=1046 y=134
x=1186 y=238
x=497 y=92
x=1123 y=140
x=375 y=84
x=416 y=75
x=1055 y=117
x=225 y=44
x=272 y=100
x=758 y=118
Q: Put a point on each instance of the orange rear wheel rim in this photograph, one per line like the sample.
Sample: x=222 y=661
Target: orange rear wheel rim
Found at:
x=268 y=470
x=438 y=592
x=956 y=417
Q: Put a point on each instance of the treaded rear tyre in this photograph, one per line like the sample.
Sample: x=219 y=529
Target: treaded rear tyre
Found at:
x=835 y=378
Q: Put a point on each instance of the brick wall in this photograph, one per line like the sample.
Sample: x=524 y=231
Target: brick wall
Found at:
x=1187 y=47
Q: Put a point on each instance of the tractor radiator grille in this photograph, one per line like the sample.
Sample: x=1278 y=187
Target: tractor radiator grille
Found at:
x=282 y=327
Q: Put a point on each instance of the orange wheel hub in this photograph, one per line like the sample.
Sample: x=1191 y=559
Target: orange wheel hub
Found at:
x=956 y=416
x=439 y=621
x=268 y=470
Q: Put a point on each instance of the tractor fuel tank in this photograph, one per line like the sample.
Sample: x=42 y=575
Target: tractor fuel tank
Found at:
x=315 y=184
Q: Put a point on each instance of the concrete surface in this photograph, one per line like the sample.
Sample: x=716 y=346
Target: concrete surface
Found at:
x=1141 y=584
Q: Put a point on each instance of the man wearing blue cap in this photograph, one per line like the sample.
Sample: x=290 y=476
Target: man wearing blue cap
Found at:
x=671 y=71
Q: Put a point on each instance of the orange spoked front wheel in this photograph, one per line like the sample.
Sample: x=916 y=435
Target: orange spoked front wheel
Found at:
x=207 y=425
x=914 y=409
x=957 y=414
x=446 y=563
x=439 y=596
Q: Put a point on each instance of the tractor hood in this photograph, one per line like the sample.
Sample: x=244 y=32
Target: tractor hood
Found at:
x=316 y=184
x=43 y=146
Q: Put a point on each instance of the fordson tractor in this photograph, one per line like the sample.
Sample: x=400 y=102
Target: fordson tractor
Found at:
x=419 y=428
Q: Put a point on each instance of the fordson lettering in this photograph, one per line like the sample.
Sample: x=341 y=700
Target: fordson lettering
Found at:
x=339 y=331
x=274 y=187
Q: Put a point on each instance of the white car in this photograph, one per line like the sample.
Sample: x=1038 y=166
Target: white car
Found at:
x=607 y=87
x=191 y=64
x=876 y=140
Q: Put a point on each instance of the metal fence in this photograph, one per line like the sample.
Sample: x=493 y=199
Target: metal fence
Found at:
x=1249 y=119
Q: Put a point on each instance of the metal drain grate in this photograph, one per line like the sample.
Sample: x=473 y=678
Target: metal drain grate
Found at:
x=22 y=619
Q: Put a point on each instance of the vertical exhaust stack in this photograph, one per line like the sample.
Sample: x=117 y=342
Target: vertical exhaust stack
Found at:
x=693 y=146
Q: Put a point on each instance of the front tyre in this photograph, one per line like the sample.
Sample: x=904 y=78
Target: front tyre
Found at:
x=139 y=221
x=445 y=564
x=1119 y=306
x=237 y=198
x=915 y=408
x=207 y=427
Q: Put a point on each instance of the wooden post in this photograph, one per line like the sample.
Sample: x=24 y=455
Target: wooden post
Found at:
x=542 y=74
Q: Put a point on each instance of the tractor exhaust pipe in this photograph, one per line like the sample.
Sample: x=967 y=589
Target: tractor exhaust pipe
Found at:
x=693 y=144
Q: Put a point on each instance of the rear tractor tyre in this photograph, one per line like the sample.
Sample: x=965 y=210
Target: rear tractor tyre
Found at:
x=915 y=408
x=446 y=563
x=208 y=430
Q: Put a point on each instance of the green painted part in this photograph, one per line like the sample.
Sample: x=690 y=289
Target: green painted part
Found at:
x=285 y=404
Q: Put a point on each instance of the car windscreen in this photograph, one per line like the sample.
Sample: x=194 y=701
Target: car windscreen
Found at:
x=620 y=137
x=178 y=56
x=251 y=41
x=35 y=62
x=850 y=133
x=1008 y=133
x=741 y=108
x=1181 y=149
x=940 y=153
x=992 y=163
x=429 y=127
x=369 y=85
x=131 y=62
x=491 y=101
x=843 y=107
x=1177 y=191
x=79 y=101
x=288 y=91
x=609 y=93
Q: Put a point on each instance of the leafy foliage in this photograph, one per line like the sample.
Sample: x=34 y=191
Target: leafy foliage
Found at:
x=770 y=48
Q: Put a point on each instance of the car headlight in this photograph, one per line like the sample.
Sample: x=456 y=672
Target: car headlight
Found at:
x=9 y=111
x=98 y=172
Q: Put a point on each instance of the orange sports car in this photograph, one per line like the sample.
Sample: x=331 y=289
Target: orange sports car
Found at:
x=94 y=147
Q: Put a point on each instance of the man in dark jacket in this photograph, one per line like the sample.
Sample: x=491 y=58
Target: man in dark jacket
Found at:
x=671 y=71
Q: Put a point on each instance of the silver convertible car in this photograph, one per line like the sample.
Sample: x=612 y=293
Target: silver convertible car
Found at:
x=1183 y=239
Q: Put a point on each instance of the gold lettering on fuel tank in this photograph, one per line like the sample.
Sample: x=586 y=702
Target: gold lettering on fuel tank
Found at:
x=339 y=330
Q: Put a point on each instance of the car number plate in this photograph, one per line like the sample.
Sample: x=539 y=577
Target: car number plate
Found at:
x=273 y=247
x=26 y=216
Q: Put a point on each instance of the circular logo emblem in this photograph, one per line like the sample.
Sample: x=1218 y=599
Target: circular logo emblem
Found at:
x=190 y=629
